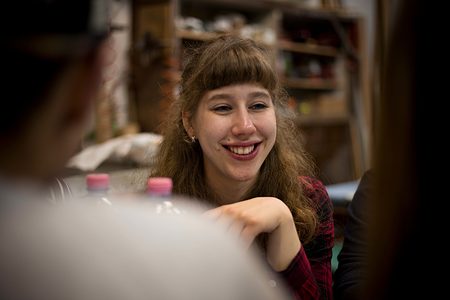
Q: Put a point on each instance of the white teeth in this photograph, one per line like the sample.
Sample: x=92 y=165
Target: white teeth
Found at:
x=242 y=150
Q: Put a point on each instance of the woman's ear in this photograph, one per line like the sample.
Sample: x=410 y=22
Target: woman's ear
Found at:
x=187 y=123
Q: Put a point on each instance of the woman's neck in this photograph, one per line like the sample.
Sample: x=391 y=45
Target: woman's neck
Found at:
x=228 y=191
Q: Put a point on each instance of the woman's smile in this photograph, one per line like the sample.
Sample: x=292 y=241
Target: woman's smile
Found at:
x=243 y=152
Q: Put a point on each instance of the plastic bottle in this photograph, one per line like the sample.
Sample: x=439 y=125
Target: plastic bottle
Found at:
x=160 y=190
x=97 y=185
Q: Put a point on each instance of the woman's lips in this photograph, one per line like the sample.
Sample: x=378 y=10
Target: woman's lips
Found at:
x=243 y=152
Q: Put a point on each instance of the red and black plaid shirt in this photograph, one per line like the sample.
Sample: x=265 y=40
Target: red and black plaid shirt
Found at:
x=309 y=274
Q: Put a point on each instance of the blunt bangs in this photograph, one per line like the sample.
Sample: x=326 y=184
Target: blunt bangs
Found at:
x=238 y=66
x=227 y=62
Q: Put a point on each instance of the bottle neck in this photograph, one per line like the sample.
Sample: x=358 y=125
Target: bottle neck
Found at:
x=97 y=191
x=159 y=194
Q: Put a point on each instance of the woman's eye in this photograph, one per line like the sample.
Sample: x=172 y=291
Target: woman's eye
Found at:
x=258 y=106
x=222 y=108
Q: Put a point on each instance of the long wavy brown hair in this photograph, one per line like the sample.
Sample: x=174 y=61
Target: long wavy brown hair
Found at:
x=225 y=61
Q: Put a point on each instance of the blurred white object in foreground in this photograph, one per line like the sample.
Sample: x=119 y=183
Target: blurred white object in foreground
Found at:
x=139 y=148
x=75 y=251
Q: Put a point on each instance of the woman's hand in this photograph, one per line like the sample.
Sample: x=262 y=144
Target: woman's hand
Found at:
x=251 y=217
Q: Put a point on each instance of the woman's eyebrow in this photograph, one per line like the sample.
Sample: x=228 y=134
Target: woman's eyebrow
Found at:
x=252 y=95
x=222 y=96
x=259 y=95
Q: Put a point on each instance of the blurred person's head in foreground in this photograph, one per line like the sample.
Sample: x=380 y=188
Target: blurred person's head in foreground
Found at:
x=52 y=62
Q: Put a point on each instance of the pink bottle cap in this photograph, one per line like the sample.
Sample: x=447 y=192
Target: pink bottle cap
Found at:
x=160 y=185
x=97 y=181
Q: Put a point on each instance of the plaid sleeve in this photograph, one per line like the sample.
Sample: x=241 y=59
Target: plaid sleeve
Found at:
x=309 y=274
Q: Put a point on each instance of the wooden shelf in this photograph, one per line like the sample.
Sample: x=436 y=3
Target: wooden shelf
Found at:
x=308 y=48
x=322 y=120
x=309 y=84
x=196 y=36
x=204 y=36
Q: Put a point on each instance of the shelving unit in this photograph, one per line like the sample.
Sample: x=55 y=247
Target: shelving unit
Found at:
x=317 y=53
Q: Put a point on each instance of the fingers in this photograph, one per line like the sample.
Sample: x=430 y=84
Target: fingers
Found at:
x=213 y=214
x=248 y=235
x=244 y=232
x=227 y=222
x=233 y=225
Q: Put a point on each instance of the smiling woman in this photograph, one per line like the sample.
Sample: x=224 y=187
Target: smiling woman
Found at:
x=231 y=141
x=243 y=134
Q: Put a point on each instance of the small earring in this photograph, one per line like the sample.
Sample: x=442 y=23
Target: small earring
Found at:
x=193 y=139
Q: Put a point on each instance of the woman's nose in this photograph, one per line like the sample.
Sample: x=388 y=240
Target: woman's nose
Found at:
x=243 y=124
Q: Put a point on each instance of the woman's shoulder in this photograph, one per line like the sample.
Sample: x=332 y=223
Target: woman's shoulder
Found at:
x=315 y=190
x=312 y=186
